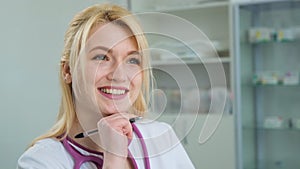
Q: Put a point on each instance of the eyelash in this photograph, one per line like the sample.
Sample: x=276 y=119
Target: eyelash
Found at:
x=103 y=57
x=100 y=57
x=136 y=61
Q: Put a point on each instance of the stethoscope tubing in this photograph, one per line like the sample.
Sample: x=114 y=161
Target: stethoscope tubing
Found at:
x=143 y=144
x=79 y=158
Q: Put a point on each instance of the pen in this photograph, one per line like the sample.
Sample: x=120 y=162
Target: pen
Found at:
x=91 y=132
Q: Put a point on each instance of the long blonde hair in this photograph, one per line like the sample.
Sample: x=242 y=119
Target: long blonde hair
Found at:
x=75 y=38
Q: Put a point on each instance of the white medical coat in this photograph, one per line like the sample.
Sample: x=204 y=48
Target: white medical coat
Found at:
x=164 y=149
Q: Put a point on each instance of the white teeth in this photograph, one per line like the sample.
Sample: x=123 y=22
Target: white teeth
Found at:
x=113 y=91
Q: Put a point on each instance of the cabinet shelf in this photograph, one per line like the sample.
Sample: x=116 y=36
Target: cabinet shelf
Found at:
x=267 y=62
x=192 y=60
x=264 y=5
x=183 y=7
x=171 y=62
x=275 y=42
x=203 y=4
x=281 y=129
x=275 y=85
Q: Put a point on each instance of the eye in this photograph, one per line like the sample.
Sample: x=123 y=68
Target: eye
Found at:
x=101 y=57
x=134 y=61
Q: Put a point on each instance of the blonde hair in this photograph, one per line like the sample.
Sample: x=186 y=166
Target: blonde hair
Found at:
x=75 y=39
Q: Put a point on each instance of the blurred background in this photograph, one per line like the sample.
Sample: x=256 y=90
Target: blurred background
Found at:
x=243 y=73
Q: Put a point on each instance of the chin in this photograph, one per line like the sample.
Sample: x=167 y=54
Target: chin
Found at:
x=114 y=110
x=113 y=107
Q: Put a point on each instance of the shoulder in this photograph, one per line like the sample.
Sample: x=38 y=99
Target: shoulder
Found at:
x=158 y=135
x=46 y=153
x=153 y=127
x=162 y=145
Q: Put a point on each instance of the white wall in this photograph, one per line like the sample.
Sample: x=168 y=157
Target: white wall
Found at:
x=31 y=42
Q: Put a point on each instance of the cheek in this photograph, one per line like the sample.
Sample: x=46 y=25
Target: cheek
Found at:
x=90 y=71
x=94 y=71
x=136 y=79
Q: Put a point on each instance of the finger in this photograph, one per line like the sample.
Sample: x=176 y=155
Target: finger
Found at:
x=112 y=139
x=128 y=131
x=125 y=126
x=120 y=124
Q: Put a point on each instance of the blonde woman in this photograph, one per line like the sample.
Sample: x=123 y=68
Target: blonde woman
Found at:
x=105 y=79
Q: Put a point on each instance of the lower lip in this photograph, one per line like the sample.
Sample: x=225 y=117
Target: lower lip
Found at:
x=112 y=96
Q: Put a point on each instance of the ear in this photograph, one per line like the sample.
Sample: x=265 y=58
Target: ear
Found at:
x=66 y=72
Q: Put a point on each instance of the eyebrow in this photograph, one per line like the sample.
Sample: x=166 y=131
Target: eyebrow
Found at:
x=134 y=52
x=102 y=48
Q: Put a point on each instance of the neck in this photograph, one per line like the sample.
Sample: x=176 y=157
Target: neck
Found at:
x=85 y=142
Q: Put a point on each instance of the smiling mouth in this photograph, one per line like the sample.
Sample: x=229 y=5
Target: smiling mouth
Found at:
x=113 y=93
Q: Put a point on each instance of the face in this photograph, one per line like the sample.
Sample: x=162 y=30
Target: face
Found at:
x=112 y=69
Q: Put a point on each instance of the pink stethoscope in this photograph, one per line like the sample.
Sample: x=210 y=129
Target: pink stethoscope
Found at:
x=80 y=158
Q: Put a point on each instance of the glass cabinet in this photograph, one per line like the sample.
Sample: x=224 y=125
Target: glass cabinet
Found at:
x=267 y=67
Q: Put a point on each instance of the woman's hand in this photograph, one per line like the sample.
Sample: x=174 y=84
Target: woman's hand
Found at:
x=114 y=132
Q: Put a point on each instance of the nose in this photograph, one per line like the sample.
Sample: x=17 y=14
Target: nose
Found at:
x=117 y=73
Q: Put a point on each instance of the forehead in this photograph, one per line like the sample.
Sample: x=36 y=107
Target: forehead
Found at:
x=108 y=35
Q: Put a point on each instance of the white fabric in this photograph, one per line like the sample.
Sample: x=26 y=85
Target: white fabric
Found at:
x=164 y=149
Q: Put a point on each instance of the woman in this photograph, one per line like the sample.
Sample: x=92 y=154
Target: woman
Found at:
x=105 y=79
